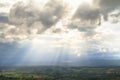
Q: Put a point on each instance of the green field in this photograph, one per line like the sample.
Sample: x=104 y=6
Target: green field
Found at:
x=59 y=73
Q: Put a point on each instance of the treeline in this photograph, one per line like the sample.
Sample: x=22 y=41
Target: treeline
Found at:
x=80 y=76
x=3 y=77
x=64 y=74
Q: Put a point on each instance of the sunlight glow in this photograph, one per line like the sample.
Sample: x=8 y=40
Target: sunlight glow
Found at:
x=75 y=3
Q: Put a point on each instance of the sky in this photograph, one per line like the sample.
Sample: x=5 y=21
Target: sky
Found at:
x=53 y=32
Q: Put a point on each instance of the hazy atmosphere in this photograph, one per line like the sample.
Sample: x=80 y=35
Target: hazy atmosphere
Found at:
x=59 y=32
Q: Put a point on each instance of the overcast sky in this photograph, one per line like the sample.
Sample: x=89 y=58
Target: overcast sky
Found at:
x=46 y=31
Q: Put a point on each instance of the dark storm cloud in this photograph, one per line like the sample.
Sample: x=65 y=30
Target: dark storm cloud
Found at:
x=30 y=15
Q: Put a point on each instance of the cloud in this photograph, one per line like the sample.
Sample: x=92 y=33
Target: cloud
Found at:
x=87 y=14
x=25 y=19
x=107 y=6
x=86 y=19
x=114 y=17
x=2 y=5
x=30 y=15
